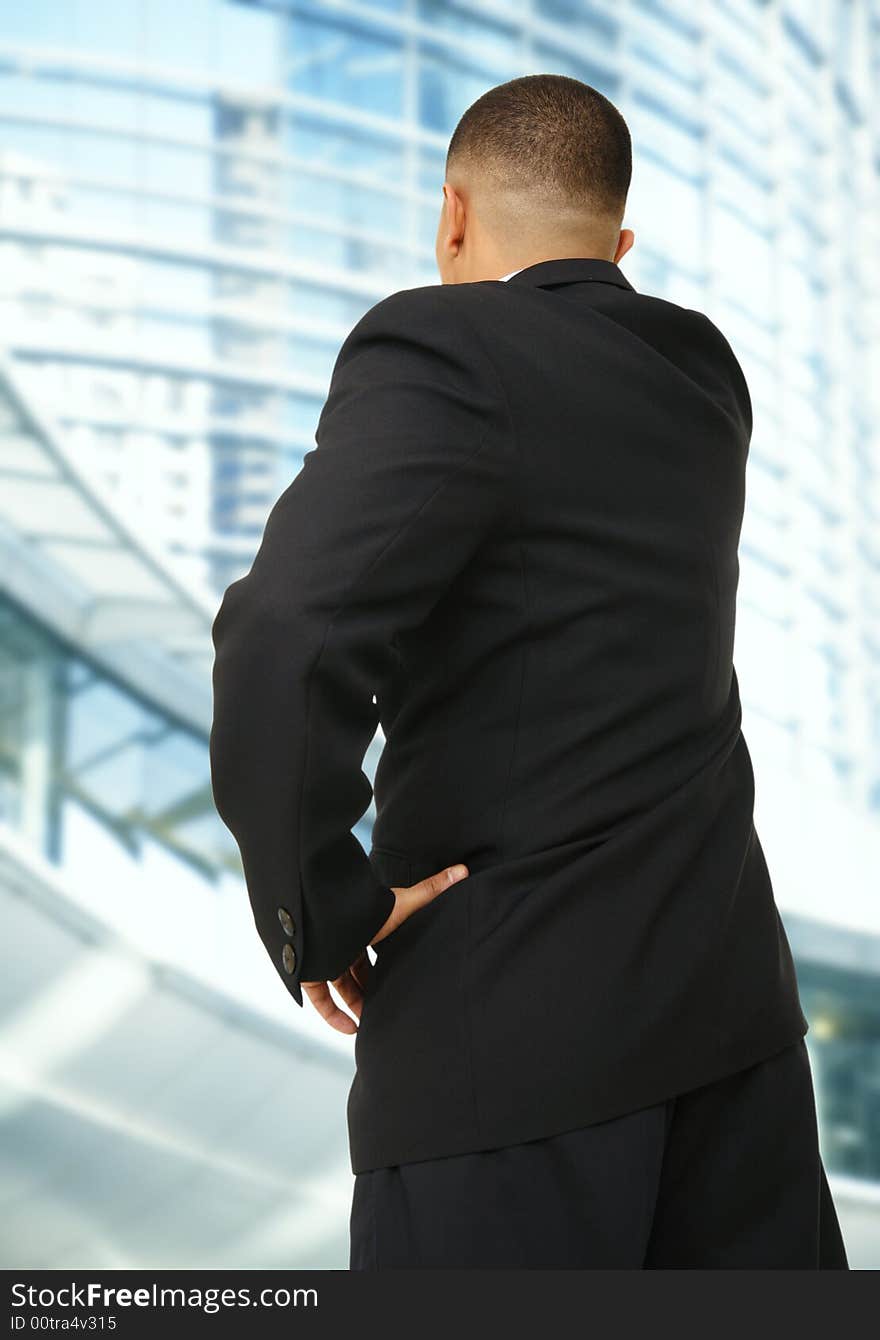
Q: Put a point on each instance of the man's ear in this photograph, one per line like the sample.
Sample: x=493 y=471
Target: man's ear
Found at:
x=624 y=242
x=454 y=223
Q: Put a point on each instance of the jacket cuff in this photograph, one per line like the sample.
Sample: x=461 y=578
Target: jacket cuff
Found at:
x=306 y=956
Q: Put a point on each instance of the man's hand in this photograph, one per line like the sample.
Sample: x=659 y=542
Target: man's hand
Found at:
x=352 y=982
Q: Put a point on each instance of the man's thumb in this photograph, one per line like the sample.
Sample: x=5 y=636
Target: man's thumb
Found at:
x=434 y=884
x=427 y=889
x=410 y=899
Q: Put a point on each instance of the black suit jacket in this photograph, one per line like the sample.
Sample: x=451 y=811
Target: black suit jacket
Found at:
x=515 y=546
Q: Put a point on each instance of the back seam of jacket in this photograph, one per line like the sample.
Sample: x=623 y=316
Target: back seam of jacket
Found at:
x=466 y=973
x=527 y=610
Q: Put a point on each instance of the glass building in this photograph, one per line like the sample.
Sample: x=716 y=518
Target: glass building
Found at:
x=197 y=202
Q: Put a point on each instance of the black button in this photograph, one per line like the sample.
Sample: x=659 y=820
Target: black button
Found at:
x=288 y=958
x=286 y=921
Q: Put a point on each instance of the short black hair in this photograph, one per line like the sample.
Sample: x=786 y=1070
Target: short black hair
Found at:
x=548 y=132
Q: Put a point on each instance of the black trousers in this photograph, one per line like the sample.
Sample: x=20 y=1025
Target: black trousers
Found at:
x=726 y=1176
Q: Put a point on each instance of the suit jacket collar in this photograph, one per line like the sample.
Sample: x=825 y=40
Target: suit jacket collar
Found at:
x=571 y=270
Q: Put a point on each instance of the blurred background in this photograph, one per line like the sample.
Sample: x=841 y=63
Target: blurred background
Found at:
x=197 y=202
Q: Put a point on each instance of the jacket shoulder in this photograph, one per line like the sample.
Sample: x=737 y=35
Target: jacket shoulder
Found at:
x=433 y=321
x=408 y=307
x=454 y=308
x=720 y=344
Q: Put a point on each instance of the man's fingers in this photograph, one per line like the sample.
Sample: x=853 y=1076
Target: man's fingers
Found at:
x=319 y=994
x=349 y=989
x=352 y=983
x=361 y=969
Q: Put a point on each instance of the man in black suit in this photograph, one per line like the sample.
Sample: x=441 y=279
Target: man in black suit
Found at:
x=515 y=546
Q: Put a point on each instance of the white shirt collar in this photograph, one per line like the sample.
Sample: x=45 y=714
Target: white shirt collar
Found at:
x=512 y=273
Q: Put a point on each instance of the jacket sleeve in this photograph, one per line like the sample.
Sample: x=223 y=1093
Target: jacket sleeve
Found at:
x=407 y=479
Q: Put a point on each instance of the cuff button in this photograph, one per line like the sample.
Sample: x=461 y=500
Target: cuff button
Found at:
x=288 y=958
x=286 y=921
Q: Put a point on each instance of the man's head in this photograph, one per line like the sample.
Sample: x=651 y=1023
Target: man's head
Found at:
x=537 y=168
